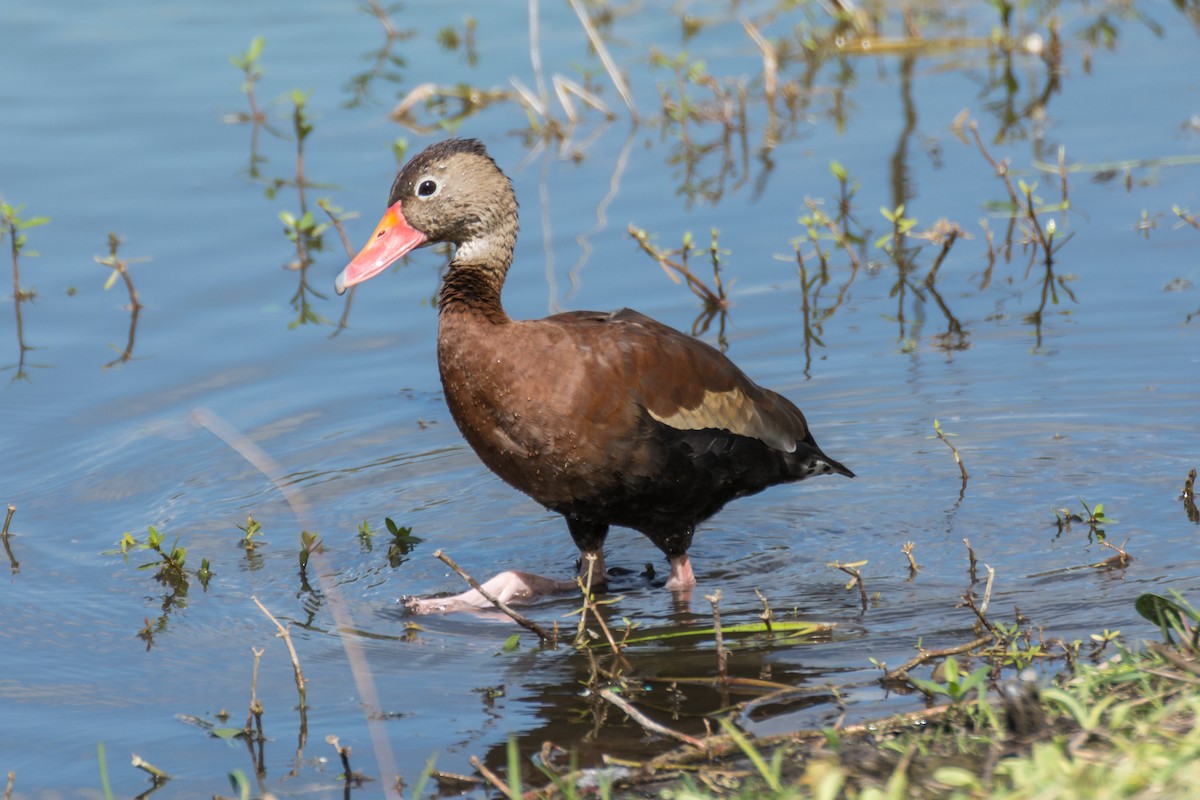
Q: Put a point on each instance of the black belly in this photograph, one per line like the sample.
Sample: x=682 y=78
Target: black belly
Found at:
x=701 y=472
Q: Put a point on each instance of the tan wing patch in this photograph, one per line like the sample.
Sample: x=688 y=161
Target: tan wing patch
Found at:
x=732 y=411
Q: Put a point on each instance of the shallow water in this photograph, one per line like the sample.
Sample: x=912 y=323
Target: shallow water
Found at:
x=115 y=119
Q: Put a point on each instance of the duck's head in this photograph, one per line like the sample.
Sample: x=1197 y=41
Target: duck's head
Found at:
x=452 y=192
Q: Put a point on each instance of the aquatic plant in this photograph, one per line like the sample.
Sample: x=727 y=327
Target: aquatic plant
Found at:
x=15 y=227
x=120 y=269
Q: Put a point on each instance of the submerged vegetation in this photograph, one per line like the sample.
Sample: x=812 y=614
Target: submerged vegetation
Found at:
x=13 y=227
x=1009 y=713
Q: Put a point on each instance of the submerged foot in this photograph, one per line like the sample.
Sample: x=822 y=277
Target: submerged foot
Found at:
x=509 y=587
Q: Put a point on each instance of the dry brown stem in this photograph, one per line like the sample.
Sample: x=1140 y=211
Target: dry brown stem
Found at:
x=838 y=234
x=646 y=722
x=1190 y=219
x=722 y=653
x=144 y=765
x=589 y=605
x=256 y=707
x=855 y=579
x=987 y=590
x=12 y=559
x=766 y=614
x=913 y=567
x=492 y=778
x=383 y=18
x=610 y=66
x=716 y=301
x=287 y=639
x=722 y=745
x=968 y=600
x=962 y=468
x=348 y=775
x=901 y=672
x=1120 y=560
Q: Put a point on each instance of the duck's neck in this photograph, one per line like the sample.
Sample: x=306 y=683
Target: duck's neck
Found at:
x=476 y=273
x=473 y=289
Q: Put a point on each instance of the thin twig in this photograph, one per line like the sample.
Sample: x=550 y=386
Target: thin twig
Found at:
x=492 y=778
x=971 y=556
x=949 y=236
x=1062 y=178
x=968 y=600
x=12 y=559
x=1001 y=167
x=855 y=579
x=1120 y=560
x=299 y=126
x=587 y=592
x=256 y=706
x=987 y=590
x=535 y=55
x=589 y=604
x=722 y=653
x=1188 y=497
x=287 y=638
x=646 y=722
x=491 y=598
x=341 y=229
x=907 y=549
x=383 y=18
x=1190 y=219
x=601 y=50
x=770 y=74
x=901 y=672
x=18 y=297
x=766 y=615
x=337 y=224
x=121 y=265
x=158 y=775
x=712 y=300
x=962 y=468
x=839 y=235
x=349 y=776
x=1031 y=213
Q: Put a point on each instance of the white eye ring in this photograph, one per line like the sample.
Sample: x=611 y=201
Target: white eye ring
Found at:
x=427 y=187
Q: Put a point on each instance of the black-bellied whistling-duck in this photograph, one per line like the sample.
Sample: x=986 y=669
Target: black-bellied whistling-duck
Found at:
x=605 y=418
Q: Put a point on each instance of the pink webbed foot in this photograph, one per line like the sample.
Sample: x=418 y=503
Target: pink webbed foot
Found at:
x=509 y=587
x=681 y=578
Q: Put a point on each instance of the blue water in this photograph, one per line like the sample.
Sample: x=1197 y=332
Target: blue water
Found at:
x=115 y=118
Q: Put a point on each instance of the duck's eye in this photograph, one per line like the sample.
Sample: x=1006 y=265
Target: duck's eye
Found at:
x=426 y=189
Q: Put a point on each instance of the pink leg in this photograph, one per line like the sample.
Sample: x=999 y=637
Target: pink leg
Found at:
x=599 y=575
x=681 y=574
x=508 y=587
